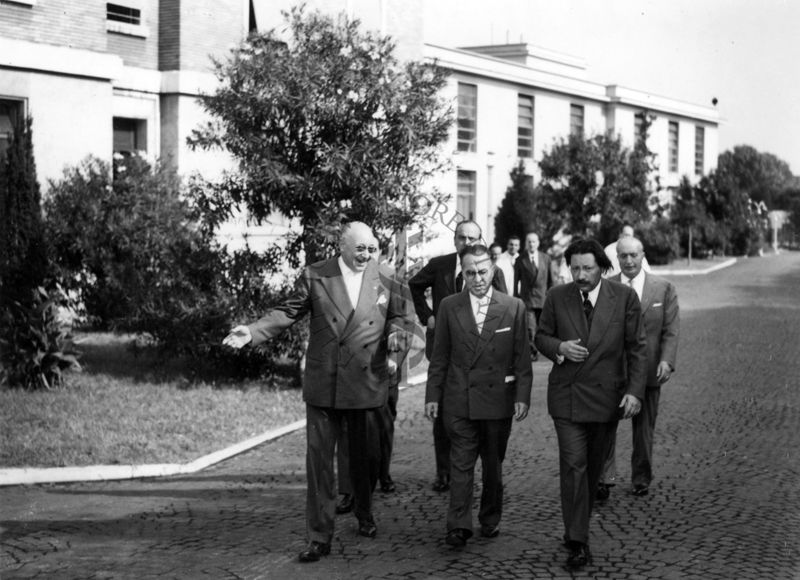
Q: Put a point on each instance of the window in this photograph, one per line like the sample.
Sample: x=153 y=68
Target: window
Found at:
x=699 y=149
x=576 y=120
x=525 y=126
x=120 y=13
x=465 y=194
x=467 y=117
x=673 y=146
x=130 y=135
x=639 y=129
x=11 y=112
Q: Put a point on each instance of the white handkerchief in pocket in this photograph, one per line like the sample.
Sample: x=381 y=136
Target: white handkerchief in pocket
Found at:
x=381 y=300
x=499 y=330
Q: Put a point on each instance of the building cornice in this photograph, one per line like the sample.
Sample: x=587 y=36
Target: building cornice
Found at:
x=47 y=58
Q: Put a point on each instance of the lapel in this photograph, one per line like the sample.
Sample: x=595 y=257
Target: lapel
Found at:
x=449 y=273
x=603 y=312
x=490 y=324
x=531 y=265
x=330 y=277
x=367 y=297
x=574 y=306
x=466 y=320
x=648 y=293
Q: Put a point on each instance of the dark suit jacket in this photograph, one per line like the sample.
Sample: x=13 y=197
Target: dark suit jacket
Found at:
x=439 y=274
x=661 y=318
x=346 y=360
x=467 y=372
x=531 y=283
x=591 y=391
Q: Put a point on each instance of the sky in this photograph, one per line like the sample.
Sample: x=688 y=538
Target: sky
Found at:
x=744 y=53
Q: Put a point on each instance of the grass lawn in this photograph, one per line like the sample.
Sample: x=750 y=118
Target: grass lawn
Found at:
x=127 y=409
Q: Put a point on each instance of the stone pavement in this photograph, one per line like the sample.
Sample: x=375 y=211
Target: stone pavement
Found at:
x=725 y=502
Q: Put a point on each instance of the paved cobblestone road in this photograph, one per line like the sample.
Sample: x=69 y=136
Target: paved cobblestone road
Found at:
x=725 y=504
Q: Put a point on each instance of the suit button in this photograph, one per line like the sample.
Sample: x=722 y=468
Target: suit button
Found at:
x=334 y=320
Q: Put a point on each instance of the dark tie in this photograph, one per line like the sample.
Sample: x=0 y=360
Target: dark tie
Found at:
x=587 y=305
x=459 y=282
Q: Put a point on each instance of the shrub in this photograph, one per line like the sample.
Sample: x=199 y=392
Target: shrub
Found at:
x=660 y=241
x=34 y=347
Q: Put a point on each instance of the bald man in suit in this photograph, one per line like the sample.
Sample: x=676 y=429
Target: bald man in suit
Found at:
x=357 y=311
x=592 y=329
x=661 y=317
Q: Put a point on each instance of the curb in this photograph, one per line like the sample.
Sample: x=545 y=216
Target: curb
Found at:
x=36 y=475
x=725 y=264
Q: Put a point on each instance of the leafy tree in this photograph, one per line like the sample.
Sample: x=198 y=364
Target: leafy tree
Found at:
x=23 y=254
x=516 y=215
x=326 y=127
x=595 y=185
x=761 y=176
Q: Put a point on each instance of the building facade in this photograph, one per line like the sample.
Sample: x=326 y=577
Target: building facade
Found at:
x=101 y=78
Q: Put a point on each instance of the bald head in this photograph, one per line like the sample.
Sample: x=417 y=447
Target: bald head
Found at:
x=357 y=245
x=630 y=253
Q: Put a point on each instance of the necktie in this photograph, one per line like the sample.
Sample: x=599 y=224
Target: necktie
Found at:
x=480 y=315
x=587 y=305
x=459 y=282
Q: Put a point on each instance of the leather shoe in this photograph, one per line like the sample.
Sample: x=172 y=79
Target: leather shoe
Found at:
x=603 y=491
x=441 y=484
x=490 y=531
x=388 y=486
x=367 y=528
x=345 y=504
x=457 y=537
x=314 y=552
x=640 y=489
x=579 y=555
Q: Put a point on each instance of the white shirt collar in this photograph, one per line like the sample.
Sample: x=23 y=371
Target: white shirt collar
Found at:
x=594 y=293
x=475 y=301
x=352 y=282
x=638 y=282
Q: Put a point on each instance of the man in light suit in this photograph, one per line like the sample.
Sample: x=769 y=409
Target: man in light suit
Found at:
x=481 y=372
x=592 y=329
x=357 y=313
x=661 y=317
x=442 y=275
x=532 y=278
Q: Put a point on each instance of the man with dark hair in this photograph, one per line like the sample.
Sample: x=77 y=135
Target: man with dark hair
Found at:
x=357 y=310
x=442 y=275
x=479 y=378
x=592 y=329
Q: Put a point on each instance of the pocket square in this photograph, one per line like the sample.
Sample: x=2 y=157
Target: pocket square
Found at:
x=381 y=300
x=510 y=378
x=499 y=330
x=657 y=304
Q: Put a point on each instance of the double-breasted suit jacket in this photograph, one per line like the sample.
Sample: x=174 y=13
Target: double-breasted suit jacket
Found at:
x=590 y=391
x=346 y=359
x=660 y=314
x=468 y=371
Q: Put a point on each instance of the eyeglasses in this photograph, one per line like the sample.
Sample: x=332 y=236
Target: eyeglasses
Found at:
x=362 y=248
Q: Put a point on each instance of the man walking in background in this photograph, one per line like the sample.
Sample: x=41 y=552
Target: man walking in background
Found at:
x=357 y=309
x=591 y=328
x=660 y=314
x=532 y=278
x=481 y=373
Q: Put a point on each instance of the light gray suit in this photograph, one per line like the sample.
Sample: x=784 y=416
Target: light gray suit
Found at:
x=661 y=317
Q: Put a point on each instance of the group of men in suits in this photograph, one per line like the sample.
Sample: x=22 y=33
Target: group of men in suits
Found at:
x=609 y=361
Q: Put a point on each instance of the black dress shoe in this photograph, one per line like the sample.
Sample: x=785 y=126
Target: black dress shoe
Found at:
x=314 y=552
x=387 y=486
x=640 y=489
x=490 y=531
x=345 y=504
x=603 y=491
x=441 y=484
x=457 y=537
x=579 y=555
x=367 y=528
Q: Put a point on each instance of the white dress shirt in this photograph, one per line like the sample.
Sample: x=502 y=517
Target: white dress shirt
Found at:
x=480 y=306
x=352 y=282
x=637 y=282
x=593 y=294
